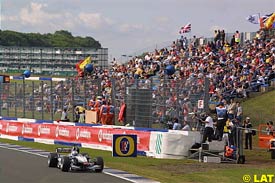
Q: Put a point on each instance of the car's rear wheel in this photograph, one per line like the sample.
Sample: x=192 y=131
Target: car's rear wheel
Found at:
x=65 y=164
x=52 y=159
x=99 y=161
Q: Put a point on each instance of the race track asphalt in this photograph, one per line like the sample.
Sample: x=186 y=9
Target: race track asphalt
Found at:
x=20 y=167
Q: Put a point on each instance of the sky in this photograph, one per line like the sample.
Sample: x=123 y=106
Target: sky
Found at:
x=129 y=27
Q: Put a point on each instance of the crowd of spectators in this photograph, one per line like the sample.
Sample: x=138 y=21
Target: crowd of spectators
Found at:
x=234 y=69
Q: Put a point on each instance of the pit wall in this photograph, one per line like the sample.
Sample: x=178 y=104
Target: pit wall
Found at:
x=151 y=142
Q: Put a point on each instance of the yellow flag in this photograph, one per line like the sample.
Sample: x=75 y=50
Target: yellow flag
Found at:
x=85 y=62
x=269 y=22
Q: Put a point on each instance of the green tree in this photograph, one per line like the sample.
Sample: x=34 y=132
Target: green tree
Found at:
x=61 y=38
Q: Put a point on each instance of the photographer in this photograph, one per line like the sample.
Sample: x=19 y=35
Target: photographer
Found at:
x=248 y=133
x=209 y=128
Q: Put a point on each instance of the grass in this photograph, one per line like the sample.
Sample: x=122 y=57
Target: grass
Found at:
x=260 y=109
x=258 y=161
x=178 y=171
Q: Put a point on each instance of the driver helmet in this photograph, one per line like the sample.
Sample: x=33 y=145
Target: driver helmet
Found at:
x=75 y=148
x=74 y=152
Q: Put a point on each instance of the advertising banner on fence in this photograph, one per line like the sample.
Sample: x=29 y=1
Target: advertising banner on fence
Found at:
x=76 y=134
x=124 y=145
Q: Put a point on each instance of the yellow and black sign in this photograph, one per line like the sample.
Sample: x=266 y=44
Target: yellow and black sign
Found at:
x=124 y=145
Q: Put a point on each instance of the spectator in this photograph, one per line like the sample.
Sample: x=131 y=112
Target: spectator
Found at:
x=222 y=37
x=186 y=126
x=237 y=37
x=270 y=128
x=233 y=41
x=222 y=118
x=239 y=112
x=231 y=109
x=226 y=131
x=64 y=115
x=79 y=110
x=176 y=124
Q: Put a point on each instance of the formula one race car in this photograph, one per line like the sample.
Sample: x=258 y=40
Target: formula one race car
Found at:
x=74 y=161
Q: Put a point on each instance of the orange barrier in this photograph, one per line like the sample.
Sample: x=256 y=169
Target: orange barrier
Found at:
x=265 y=136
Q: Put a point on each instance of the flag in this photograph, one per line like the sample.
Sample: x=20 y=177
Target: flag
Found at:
x=263 y=19
x=255 y=19
x=185 y=29
x=77 y=65
x=85 y=62
x=269 y=22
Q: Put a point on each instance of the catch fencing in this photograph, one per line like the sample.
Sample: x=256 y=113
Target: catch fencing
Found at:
x=150 y=102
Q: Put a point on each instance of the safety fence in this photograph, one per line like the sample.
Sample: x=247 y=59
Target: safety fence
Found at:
x=158 y=144
x=149 y=101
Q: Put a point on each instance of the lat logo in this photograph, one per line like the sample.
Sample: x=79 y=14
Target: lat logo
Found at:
x=263 y=178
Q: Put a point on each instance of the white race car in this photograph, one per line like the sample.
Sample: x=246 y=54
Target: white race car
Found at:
x=74 y=161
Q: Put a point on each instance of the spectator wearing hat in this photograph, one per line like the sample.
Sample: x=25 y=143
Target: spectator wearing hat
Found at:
x=248 y=133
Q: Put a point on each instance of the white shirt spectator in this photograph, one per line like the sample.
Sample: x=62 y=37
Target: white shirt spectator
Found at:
x=186 y=127
x=177 y=126
x=209 y=119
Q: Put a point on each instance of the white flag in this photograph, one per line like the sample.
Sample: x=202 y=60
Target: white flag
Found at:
x=255 y=19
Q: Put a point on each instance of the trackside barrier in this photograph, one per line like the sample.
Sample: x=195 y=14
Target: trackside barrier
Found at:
x=36 y=78
x=173 y=144
x=158 y=144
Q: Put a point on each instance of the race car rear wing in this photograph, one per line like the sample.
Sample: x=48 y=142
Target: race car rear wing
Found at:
x=63 y=150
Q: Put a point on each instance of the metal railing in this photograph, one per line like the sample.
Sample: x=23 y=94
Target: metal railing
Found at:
x=149 y=101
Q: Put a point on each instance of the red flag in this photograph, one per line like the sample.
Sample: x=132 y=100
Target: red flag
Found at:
x=77 y=65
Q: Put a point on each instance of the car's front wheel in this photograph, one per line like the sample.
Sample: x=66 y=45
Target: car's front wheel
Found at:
x=65 y=164
x=52 y=160
x=99 y=161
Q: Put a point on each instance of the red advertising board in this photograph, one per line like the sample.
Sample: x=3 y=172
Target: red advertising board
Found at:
x=68 y=133
x=11 y=128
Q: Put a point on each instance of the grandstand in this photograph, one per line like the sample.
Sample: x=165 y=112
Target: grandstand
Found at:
x=48 y=60
x=234 y=71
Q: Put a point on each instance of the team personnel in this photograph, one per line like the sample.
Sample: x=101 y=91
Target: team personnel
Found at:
x=110 y=113
x=103 y=113
x=92 y=103
x=107 y=113
x=97 y=106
